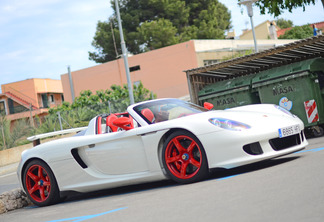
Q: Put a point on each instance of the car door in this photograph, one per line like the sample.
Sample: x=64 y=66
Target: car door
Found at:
x=119 y=153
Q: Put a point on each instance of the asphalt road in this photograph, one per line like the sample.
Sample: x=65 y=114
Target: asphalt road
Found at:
x=290 y=188
x=8 y=182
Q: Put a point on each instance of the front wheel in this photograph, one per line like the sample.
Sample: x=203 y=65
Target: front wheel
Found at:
x=40 y=184
x=184 y=158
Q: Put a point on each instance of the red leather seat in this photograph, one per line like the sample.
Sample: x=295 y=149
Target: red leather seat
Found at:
x=109 y=123
x=148 y=114
x=98 y=125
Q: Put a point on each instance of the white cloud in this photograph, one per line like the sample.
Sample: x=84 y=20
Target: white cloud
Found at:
x=7 y=8
x=8 y=57
x=16 y=8
x=89 y=8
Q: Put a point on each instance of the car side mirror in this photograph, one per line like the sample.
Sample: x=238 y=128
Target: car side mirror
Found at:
x=208 y=105
x=123 y=122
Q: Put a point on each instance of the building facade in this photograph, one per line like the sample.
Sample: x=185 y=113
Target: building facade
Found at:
x=30 y=97
x=265 y=30
x=161 y=70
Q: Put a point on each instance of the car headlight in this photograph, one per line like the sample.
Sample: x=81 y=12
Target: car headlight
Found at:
x=229 y=124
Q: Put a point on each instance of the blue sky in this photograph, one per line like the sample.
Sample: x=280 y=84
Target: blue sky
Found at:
x=40 y=38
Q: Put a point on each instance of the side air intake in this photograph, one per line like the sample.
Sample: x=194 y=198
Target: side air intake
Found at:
x=253 y=148
x=77 y=158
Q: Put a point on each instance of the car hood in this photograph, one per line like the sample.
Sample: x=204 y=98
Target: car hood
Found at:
x=258 y=117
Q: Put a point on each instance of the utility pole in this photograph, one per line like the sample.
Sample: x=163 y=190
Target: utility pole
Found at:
x=60 y=121
x=71 y=83
x=124 y=51
x=31 y=115
x=248 y=4
x=2 y=130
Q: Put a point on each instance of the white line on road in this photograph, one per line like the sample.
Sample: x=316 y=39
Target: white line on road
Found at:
x=9 y=174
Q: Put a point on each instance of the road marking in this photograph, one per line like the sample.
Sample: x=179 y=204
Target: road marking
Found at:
x=9 y=174
x=224 y=178
x=311 y=150
x=87 y=217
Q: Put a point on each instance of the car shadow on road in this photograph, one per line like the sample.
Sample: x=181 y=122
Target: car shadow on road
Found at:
x=124 y=190
x=223 y=173
x=217 y=174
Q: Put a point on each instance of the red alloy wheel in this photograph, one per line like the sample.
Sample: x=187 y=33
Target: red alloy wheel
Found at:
x=38 y=183
x=183 y=157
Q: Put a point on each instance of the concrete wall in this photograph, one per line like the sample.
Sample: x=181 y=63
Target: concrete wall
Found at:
x=12 y=155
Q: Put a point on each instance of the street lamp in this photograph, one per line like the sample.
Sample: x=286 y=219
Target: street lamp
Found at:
x=248 y=4
x=124 y=51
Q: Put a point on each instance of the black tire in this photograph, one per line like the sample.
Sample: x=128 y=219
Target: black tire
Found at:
x=184 y=158
x=319 y=132
x=40 y=184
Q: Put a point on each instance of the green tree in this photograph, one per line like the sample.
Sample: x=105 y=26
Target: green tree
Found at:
x=212 y=21
x=14 y=135
x=276 y=7
x=105 y=42
x=283 y=23
x=142 y=94
x=238 y=54
x=156 y=34
x=92 y=104
x=298 y=32
x=49 y=124
x=152 y=24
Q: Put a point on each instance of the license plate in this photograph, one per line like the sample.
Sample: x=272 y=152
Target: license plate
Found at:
x=288 y=131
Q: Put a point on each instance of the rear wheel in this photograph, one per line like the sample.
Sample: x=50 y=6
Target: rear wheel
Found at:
x=184 y=158
x=318 y=131
x=40 y=184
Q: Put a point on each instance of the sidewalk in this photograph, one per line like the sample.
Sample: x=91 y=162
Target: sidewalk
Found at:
x=11 y=168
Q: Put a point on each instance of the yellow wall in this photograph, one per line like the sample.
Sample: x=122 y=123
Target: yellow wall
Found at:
x=261 y=32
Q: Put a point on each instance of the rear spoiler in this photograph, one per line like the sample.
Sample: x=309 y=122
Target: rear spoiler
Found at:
x=36 y=139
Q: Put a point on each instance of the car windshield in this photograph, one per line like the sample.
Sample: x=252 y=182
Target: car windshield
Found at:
x=166 y=109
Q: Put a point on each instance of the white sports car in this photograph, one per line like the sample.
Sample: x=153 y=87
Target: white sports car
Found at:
x=155 y=140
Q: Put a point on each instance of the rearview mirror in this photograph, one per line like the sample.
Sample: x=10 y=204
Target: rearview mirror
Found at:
x=123 y=122
x=208 y=105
